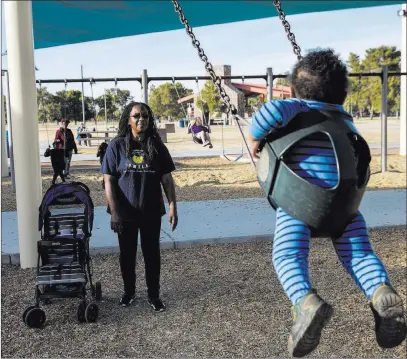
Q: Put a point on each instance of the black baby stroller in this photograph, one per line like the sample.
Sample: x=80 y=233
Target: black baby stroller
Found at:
x=64 y=265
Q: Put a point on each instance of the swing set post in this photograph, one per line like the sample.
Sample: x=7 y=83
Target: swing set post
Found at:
x=104 y=98
x=144 y=85
x=269 y=83
x=383 y=116
x=83 y=99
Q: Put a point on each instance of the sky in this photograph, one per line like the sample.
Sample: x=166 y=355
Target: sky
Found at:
x=249 y=47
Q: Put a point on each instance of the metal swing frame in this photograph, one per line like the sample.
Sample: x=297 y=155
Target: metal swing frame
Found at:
x=230 y=108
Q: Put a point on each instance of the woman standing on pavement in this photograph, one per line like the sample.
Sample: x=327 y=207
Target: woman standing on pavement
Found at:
x=135 y=166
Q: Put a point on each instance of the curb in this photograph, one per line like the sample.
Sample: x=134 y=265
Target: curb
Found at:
x=14 y=258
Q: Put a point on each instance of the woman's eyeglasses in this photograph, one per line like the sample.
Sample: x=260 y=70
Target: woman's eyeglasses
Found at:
x=138 y=115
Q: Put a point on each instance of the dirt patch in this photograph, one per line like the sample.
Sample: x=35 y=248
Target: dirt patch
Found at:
x=202 y=179
x=223 y=301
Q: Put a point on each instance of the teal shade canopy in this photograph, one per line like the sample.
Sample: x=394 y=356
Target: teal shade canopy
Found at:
x=58 y=23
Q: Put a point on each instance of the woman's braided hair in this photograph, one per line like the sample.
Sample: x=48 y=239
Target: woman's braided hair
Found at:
x=150 y=136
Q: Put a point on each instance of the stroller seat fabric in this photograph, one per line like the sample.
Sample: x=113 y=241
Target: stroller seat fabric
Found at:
x=57 y=274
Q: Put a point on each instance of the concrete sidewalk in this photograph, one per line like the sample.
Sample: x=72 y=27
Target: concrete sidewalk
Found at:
x=228 y=221
x=198 y=152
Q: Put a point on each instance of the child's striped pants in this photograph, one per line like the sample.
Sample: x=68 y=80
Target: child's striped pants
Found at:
x=291 y=249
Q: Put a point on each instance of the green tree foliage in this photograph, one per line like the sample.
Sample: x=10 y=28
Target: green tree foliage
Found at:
x=48 y=107
x=116 y=100
x=284 y=81
x=163 y=99
x=209 y=95
x=257 y=101
x=364 y=96
x=70 y=105
x=53 y=107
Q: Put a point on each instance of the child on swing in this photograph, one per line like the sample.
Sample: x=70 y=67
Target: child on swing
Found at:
x=320 y=81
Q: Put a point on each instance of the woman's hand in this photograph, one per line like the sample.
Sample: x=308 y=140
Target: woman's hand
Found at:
x=173 y=217
x=116 y=223
x=169 y=189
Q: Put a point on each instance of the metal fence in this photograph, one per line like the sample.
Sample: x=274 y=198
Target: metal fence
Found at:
x=269 y=77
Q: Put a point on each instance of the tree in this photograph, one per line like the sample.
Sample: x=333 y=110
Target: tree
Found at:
x=70 y=103
x=365 y=93
x=284 y=81
x=52 y=107
x=353 y=100
x=210 y=95
x=257 y=101
x=49 y=106
x=116 y=100
x=111 y=108
x=121 y=98
x=163 y=99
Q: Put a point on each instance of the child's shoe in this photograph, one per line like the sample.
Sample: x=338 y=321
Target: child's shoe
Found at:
x=388 y=312
x=310 y=315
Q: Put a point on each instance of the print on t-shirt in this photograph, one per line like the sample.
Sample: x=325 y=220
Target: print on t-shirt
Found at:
x=138 y=162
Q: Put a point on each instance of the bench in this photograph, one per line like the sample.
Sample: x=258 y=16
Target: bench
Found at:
x=100 y=139
x=170 y=127
x=163 y=134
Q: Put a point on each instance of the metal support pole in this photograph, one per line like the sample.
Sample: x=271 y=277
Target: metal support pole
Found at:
x=104 y=97
x=4 y=160
x=65 y=101
x=403 y=83
x=144 y=85
x=384 y=116
x=269 y=84
x=83 y=99
x=10 y=132
x=23 y=103
x=4 y=164
x=93 y=99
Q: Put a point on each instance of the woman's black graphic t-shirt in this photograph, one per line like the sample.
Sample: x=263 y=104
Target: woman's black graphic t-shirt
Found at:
x=139 y=179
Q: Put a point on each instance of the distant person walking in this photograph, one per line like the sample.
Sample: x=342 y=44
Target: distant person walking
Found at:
x=65 y=134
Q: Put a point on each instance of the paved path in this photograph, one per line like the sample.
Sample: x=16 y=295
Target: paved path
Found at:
x=201 y=152
x=238 y=220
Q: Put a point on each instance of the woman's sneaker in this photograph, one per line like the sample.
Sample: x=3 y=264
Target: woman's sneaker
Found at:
x=388 y=312
x=310 y=315
x=126 y=300
x=156 y=304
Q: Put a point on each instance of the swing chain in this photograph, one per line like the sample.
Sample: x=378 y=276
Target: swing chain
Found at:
x=216 y=79
x=66 y=85
x=287 y=27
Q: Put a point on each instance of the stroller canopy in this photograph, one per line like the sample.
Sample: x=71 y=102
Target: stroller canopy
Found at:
x=73 y=193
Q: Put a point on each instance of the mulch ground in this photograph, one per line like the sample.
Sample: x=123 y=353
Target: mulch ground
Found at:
x=223 y=301
x=203 y=179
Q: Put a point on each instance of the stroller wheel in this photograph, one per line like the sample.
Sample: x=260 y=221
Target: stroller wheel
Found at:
x=91 y=313
x=35 y=318
x=98 y=291
x=80 y=313
x=27 y=310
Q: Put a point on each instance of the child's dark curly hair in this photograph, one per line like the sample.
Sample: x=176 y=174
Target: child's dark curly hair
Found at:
x=320 y=76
